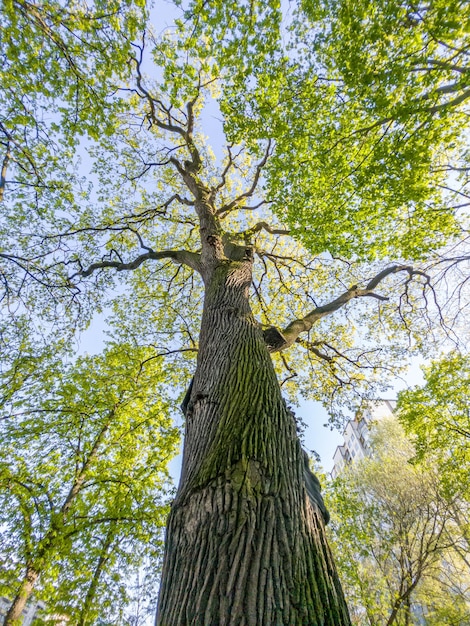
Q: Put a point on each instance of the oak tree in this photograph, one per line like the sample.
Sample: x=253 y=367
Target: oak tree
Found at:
x=302 y=244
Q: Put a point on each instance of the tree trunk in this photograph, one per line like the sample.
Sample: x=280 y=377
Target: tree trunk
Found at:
x=245 y=544
x=22 y=597
x=48 y=541
x=105 y=552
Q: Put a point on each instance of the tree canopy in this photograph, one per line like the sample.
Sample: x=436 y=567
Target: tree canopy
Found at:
x=318 y=133
x=147 y=125
x=398 y=78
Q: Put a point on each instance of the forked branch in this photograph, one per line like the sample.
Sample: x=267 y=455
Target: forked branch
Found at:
x=278 y=340
x=239 y=200
x=157 y=110
x=248 y=234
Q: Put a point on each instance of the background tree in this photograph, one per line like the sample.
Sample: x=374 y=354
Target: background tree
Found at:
x=395 y=539
x=272 y=244
x=83 y=474
x=437 y=414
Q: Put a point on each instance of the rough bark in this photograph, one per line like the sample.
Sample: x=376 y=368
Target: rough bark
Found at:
x=245 y=544
x=21 y=598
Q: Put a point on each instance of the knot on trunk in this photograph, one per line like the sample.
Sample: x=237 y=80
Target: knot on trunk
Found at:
x=274 y=339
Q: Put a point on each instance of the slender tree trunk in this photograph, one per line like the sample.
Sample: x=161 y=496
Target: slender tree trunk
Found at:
x=22 y=597
x=84 y=618
x=49 y=540
x=245 y=545
x=404 y=598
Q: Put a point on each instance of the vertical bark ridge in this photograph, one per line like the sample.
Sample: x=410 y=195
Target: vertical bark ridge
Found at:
x=245 y=546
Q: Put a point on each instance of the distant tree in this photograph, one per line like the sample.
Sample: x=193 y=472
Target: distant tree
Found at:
x=438 y=415
x=394 y=538
x=83 y=476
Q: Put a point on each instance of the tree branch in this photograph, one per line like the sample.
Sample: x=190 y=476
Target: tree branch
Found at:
x=259 y=168
x=191 y=259
x=223 y=176
x=247 y=234
x=3 y=173
x=277 y=340
x=179 y=128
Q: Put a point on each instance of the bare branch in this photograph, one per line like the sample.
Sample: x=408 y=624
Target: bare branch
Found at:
x=312 y=347
x=292 y=372
x=248 y=194
x=191 y=259
x=166 y=353
x=153 y=117
x=439 y=63
x=281 y=340
x=172 y=125
x=247 y=234
x=230 y=164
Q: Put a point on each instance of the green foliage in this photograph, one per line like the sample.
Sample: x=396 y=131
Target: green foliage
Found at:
x=378 y=123
x=72 y=57
x=230 y=42
x=437 y=414
x=395 y=538
x=62 y=67
x=366 y=104
x=83 y=475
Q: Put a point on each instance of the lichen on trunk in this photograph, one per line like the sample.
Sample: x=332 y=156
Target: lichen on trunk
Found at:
x=245 y=545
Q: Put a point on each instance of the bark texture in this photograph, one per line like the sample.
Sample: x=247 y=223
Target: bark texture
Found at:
x=245 y=544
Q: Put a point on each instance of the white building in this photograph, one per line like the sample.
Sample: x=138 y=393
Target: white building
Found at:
x=356 y=434
x=31 y=611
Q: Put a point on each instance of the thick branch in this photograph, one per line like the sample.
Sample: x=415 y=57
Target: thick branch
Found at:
x=280 y=340
x=247 y=234
x=191 y=259
x=451 y=103
x=153 y=117
x=442 y=64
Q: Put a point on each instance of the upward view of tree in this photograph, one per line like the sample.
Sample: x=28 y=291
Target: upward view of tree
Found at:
x=314 y=247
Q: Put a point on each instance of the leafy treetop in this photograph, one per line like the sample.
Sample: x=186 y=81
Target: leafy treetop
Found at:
x=323 y=174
